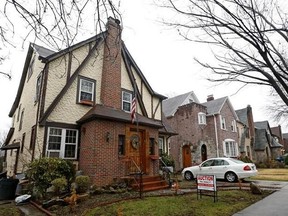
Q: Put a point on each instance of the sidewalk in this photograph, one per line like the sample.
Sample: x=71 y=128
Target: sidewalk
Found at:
x=272 y=205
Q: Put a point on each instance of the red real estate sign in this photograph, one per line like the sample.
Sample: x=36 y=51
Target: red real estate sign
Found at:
x=206 y=182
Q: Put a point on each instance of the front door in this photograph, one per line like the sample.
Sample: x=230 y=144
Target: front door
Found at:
x=136 y=151
x=186 y=156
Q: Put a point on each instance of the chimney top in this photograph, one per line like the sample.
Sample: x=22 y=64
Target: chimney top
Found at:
x=210 y=97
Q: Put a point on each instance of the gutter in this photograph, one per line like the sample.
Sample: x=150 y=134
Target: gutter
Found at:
x=216 y=136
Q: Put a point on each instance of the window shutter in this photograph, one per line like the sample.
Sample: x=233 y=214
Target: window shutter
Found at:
x=224 y=149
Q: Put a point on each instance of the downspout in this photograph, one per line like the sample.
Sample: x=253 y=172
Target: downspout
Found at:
x=216 y=136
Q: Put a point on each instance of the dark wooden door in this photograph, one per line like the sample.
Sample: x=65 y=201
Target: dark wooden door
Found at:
x=136 y=151
x=186 y=155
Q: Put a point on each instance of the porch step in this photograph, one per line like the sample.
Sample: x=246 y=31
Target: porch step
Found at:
x=150 y=183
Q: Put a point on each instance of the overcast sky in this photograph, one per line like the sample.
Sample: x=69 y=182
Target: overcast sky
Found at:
x=165 y=59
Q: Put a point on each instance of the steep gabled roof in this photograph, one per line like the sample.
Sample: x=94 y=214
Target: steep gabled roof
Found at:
x=171 y=105
x=262 y=125
x=260 y=139
x=242 y=115
x=215 y=106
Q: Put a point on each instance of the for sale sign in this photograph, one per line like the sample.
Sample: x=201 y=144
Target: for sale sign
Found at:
x=206 y=182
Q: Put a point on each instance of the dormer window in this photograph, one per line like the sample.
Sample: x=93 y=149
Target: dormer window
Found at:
x=201 y=118
x=86 y=91
x=126 y=101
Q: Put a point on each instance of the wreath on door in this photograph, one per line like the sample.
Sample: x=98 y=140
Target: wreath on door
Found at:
x=134 y=139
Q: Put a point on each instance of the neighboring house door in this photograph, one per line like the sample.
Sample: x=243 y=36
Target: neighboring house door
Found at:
x=186 y=156
x=203 y=152
x=136 y=152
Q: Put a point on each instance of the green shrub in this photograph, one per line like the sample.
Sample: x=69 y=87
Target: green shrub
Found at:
x=41 y=172
x=59 y=185
x=82 y=183
x=168 y=160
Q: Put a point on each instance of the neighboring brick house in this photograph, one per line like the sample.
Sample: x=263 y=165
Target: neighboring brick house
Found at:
x=266 y=146
x=278 y=136
x=204 y=130
x=75 y=104
x=246 y=131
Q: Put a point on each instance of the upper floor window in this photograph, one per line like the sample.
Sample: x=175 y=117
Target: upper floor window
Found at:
x=19 y=111
x=230 y=148
x=30 y=68
x=21 y=120
x=86 y=91
x=233 y=126
x=202 y=118
x=223 y=122
x=38 y=87
x=62 y=143
x=126 y=101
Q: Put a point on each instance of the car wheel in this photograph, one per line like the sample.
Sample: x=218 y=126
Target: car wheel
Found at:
x=188 y=176
x=231 y=177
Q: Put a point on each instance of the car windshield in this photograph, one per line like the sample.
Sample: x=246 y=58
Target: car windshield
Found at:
x=236 y=161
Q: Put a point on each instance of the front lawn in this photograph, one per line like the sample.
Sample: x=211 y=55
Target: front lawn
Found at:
x=229 y=202
x=279 y=174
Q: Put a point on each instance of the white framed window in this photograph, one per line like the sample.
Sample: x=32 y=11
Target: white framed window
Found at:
x=233 y=126
x=230 y=148
x=202 y=118
x=126 y=101
x=223 y=122
x=62 y=143
x=86 y=91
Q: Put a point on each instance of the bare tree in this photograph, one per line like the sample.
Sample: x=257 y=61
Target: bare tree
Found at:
x=56 y=24
x=250 y=39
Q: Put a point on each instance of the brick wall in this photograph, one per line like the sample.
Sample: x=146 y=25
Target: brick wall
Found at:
x=111 y=73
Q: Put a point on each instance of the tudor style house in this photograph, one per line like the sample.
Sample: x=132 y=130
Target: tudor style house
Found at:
x=76 y=104
x=204 y=130
x=266 y=146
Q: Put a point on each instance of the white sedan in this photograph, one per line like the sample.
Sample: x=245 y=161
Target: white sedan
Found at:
x=223 y=168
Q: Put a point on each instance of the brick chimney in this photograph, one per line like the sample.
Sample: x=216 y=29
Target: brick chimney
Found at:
x=210 y=97
x=111 y=72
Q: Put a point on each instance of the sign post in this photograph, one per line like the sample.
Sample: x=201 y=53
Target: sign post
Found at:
x=206 y=184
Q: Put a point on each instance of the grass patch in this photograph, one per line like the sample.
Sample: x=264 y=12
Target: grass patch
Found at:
x=9 y=209
x=279 y=174
x=229 y=202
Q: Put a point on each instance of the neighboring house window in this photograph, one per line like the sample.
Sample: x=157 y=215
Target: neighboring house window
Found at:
x=202 y=118
x=23 y=142
x=230 y=148
x=223 y=122
x=152 y=146
x=38 y=88
x=126 y=101
x=121 y=144
x=233 y=126
x=86 y=91
x=62 y=143
x=21 y=120
x=30 y=68
x=248 y=151
x=161 y=146
x=33 y=137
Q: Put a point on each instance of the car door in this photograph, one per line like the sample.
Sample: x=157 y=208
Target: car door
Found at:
x=206 y=168
x=220 y=168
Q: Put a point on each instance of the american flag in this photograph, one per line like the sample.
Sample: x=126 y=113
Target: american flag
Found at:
x=133 y=109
